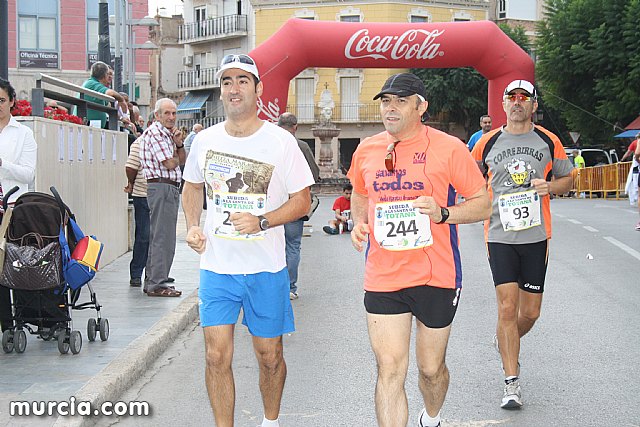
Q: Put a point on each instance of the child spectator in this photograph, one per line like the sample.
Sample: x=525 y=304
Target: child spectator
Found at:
x=342 y=209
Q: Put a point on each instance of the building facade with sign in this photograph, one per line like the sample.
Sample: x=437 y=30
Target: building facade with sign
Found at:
x=60 y=38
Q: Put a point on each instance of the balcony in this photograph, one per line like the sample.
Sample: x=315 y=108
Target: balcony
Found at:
x=198 y=79
x=205 y=122
x=341 y=113
x=221 y=28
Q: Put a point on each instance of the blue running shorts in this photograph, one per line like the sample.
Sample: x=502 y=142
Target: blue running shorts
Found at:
x=263 y=297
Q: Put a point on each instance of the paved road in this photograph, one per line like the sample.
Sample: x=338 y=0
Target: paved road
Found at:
x=580 y=364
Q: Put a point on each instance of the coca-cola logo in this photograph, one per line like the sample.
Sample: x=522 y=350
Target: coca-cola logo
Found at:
x=415 y=43
x=271 y=111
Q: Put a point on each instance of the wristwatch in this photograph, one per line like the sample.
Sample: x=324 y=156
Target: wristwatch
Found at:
x=444 y=212
x=264 y=222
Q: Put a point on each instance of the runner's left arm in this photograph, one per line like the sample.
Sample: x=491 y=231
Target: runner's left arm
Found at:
x=295 y=208
x=475 y=208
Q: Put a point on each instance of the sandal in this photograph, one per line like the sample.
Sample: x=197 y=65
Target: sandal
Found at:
x=170 y=287
x=164 y=292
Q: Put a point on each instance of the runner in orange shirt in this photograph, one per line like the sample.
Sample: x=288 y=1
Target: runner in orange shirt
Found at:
x=405 y=185
x=519 y=160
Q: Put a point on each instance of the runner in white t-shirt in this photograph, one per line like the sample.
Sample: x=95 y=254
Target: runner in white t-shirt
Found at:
x=256 y=180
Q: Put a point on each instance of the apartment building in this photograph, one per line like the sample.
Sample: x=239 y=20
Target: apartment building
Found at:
x=60 y=38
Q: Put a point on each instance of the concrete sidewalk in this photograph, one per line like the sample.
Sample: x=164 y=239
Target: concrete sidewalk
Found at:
x=141 y=328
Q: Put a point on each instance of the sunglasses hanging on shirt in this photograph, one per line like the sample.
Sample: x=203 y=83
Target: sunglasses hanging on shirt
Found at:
x=390 y=158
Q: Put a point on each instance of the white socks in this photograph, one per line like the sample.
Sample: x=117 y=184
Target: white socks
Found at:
x=270 y=423
x=427 y=421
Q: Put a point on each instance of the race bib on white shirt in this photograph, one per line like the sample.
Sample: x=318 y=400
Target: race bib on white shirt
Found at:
x=519 y=211
x=399 y=226
x=224 y=204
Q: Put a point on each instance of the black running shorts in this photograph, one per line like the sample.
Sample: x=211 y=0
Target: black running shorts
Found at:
x=434 y=307
x=525 y=264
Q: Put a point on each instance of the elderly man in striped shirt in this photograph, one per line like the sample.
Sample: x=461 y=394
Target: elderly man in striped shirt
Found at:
x=161 y=155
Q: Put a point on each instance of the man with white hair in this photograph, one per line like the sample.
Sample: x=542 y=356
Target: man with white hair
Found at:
x=161 y=155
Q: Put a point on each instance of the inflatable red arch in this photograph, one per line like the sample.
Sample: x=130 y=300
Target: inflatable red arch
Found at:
x=301 y=43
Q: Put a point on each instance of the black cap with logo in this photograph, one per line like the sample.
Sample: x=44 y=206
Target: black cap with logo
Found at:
x=404 y=84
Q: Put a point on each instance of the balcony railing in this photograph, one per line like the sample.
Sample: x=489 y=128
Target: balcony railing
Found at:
x=341 y=113
x=205 y=122
x=213 y=28
x=198 y=79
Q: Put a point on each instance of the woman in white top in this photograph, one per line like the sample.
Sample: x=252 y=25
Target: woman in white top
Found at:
x=17 y=167
x=18 y=149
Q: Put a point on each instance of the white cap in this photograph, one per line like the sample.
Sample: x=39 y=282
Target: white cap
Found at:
x=241 y=62
x=521 y=84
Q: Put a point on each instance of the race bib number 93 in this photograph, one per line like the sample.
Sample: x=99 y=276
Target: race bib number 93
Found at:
x=519 y=211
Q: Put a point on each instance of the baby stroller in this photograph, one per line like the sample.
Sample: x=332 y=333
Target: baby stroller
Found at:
x=41 y=301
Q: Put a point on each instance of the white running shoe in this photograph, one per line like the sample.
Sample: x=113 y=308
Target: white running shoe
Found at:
x=420 y=419
x=512 y=398
x=293 y=295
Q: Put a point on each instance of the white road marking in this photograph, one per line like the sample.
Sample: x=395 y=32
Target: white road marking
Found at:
x=591 y=229
x=624 y=247
x=479 y=423
x=574 y=221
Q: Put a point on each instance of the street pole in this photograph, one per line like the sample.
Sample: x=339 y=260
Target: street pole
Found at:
x=4 y=39
x=132 y=54
x=117 y=63
x=104 y=45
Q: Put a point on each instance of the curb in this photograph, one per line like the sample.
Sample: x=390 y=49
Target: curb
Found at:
x=126 y=368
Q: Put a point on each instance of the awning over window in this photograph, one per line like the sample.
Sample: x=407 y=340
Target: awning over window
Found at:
x=193 y=102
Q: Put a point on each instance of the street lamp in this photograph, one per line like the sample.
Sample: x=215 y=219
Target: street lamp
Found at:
x=148 y=45
x=147 y=21
x=125 y=44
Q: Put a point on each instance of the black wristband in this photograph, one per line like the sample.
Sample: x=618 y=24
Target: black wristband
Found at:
x=444 y=212
x=182 y=146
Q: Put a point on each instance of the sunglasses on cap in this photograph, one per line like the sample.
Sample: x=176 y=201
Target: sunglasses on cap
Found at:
x=518 y=97
x=244 y=59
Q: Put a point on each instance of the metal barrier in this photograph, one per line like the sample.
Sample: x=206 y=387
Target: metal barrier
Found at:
x=38 y=94
x=601 y=181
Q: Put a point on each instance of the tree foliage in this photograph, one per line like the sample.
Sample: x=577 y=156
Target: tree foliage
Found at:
x=589 y=64
x=461 y=93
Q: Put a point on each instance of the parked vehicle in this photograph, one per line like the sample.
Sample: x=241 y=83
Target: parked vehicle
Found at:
x=594 y=156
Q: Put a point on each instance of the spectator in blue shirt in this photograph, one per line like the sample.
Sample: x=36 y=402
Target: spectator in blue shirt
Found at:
x=485 y=125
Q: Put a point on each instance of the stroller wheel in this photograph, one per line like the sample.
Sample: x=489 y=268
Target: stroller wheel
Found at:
x=63 y=342
x=7 y=341
x=104 y=329
x=92 y=327
x=75 y=342
x=20 y=341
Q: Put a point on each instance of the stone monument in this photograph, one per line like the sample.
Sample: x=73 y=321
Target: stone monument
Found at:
x=326 y=130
